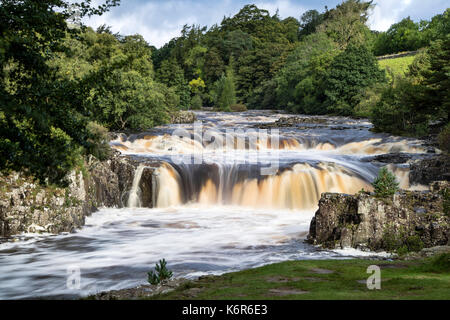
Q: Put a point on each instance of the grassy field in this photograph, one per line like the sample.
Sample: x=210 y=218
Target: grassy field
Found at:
x=398 y=65
x=326 y=279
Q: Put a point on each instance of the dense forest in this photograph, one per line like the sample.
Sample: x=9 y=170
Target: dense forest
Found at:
x=65 y=85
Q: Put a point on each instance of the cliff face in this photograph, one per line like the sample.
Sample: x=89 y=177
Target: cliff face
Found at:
x=414 y=219
x=26 y=206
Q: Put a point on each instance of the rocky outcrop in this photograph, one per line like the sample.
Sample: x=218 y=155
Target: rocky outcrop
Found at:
x=432 y=169
x=292 y=122
x=26 y=206
x=184 y=117
x=396 y=158
x=364 y=221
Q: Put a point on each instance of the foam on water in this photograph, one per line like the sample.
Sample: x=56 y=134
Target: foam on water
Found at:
x=117 y=247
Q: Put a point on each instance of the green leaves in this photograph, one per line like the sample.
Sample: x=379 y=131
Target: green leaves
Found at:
x=385 y=184
x=409 y=103
x=350 y=73
x=160 y=273
x=224 y=92
x=43 y=121
x=408 y=35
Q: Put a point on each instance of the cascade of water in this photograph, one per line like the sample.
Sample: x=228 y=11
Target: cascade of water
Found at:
x=134 y=199
x=298 y=187
x=168 y=144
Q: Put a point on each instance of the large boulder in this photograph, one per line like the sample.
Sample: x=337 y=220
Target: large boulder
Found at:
x=364 y=221
x=184 y=117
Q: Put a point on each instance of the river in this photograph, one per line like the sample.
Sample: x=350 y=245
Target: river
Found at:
x=219 y=207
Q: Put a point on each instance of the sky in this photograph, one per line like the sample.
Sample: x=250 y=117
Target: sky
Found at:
x=158 y=21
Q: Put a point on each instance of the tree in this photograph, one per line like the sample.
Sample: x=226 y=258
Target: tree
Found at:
x=350 y=72
x=129 y=100
x=437 y=80
x=43 y=124
x=292 y=27
x=249 y=19
x=402 y=36
x=171 y=74
x=225 y=94
x=346 y=24
x=409 y=103
x=195 y=61
x=385 y=184
x=214 y=66
x=298 y=85
x=197 y=85
x=236 y=43
x=310 y=20
x=196 y=102
x=258 y=66
x=395 y=111
x=408 y=35
x=437 y=28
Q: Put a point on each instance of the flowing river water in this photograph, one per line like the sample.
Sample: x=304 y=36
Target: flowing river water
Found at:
x=226 y=196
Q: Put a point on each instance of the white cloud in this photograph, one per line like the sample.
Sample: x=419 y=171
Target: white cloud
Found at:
x=160 y=21
x=157 y=23
x=388 y=12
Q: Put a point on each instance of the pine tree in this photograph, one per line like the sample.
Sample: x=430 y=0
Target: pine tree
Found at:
x=385 y=184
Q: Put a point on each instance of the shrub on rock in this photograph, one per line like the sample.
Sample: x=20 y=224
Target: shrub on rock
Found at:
x=385 y=184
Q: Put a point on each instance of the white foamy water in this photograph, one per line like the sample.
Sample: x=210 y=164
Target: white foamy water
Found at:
x=118 y=246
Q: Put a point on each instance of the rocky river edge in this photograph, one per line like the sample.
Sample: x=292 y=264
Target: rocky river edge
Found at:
x=28 y=207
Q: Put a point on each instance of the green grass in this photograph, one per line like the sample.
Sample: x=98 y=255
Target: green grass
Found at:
x=399 y=66
x=423 y=279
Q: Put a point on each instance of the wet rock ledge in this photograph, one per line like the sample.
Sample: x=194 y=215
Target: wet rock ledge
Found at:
x=26 y=206
x=416 y=219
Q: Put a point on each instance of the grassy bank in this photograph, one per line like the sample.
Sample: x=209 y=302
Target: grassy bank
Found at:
x=326 y=279
x=399 y=66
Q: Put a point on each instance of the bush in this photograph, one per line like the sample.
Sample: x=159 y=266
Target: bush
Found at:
x=160 y=273
x=98 y=141
x=395 y=112
x=385 y=184
x=224 y=91
x=441 y=263
x=238 y=107
x=196 y=102
x=444 y=139
x=368 y=99
x=401 y=241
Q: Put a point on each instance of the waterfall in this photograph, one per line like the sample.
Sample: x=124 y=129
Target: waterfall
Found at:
x=312 y=162
x=169 y=145
x=297 y=187
x=134 y=199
